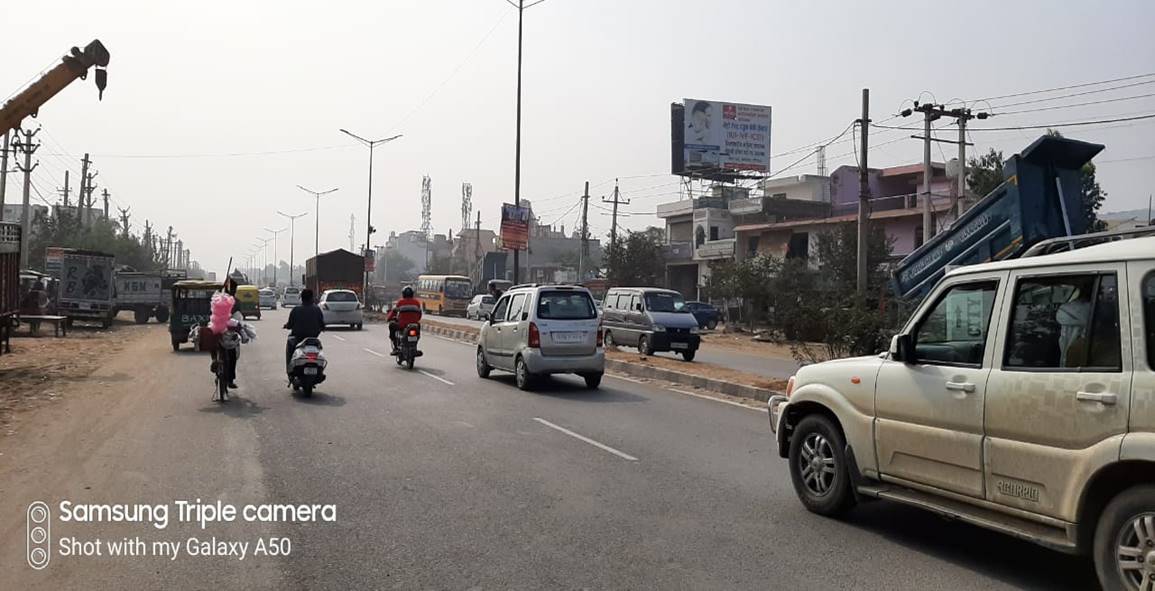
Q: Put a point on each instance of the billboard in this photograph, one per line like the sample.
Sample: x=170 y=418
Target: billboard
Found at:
x=514 y=227
x=718 y=137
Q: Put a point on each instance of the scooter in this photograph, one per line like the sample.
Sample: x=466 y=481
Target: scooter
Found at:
x=407 y=347
x=307 y=366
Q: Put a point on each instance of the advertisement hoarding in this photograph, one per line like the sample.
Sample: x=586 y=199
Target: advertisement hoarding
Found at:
x=514 y=227
x=719 y=137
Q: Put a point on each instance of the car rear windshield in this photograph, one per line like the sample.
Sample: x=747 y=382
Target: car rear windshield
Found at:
x=292 y=290
x=665 y=302
x=487 y=299
x=565 y=305
x=341 y=296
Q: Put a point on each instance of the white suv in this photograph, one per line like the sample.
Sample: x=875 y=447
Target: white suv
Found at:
x=538 y=330
x=1020 y=397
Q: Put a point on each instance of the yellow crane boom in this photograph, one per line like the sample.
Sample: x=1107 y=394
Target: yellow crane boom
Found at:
x=75 y=65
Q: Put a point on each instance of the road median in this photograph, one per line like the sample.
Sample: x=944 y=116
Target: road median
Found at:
x=705 y=376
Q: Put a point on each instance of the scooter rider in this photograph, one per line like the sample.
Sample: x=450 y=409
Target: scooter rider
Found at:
x=406 y=311
x=305 y=321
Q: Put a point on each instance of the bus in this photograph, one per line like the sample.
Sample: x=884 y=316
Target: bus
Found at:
x=444 y=294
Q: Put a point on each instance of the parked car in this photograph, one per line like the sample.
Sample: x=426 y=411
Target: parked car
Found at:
x=706 y=314
x=1020 y=397
x=651 y=319
x=291 y=296
x=341 y=306
x=479 y=306
x=268 y=298
x=536 y=330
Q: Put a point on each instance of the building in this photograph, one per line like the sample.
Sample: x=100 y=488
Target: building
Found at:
x=412 y=245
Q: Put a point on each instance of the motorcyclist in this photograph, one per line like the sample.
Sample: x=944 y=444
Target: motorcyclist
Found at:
x=305 y=321
x=406 y=311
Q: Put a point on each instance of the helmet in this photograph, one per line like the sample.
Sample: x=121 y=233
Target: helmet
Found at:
x=407 y=292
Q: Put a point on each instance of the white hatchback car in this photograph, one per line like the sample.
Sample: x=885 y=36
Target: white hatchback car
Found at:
x=341 y=306
x=479 y=307
x=537 y=330
x=291 y=296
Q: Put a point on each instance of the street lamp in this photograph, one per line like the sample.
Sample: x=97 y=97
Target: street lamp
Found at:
x=520 y=6
x=369 y=211
x=276 y=261
x=264 y=257
x=292 y=238
x=316 y=216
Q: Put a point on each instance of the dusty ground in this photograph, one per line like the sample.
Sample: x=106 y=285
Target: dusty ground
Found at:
x=699 y=368
x=45 y=368
x=745 y=343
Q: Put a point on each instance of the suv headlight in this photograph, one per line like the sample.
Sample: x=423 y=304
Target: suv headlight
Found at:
x=694 y=330
x=659 y=328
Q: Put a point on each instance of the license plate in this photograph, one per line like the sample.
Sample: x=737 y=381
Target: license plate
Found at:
x=84 y=306
x=568 y=337
x=310 y=371
x=679 y=345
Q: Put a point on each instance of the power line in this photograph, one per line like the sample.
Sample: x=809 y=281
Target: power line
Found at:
x=1072 y=95
x=1057 y=88
x=1068 y=124
x=222 y=154
x=1111 y=100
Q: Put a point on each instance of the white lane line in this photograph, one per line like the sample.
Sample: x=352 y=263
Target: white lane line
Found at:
x=372 y=352
x=342 y=339
x=722 y=400
x=436 y=377
x=617 y=377
x=587 y=440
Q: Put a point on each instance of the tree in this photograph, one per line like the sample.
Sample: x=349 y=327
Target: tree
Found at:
x=838 y=257
x=1093 y=197
x=985 y=173
x=64 y=230
x=638 y=258
x=398 y=268
x=440 y=265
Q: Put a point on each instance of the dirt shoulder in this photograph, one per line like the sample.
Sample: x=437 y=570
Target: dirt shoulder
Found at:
x=44 y=369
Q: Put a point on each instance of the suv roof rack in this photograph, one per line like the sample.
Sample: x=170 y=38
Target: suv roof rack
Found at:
x=521 y=285
x=1068 y=243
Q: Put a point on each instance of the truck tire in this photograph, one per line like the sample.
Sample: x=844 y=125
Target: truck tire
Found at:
x=161 y=314
x=1117 y=533
x=140 y=315
x=106 y=322
x=818 y=466
x=175 y=344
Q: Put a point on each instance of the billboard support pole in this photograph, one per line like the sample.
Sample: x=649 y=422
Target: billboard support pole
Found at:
x=517 y=148
x=863 y=195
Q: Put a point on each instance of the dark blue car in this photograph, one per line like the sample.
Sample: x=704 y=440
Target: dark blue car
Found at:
x=705 y=314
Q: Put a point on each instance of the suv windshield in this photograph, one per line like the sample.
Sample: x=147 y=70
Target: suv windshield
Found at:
x=458 y=289
x=665 y=302
x=565 y=305
x=341 y=296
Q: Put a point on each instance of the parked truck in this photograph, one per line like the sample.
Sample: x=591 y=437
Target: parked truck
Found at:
x=1040 y=198
x=9 y=280
x=86 y=284
x=144 y=294
x=336 y=269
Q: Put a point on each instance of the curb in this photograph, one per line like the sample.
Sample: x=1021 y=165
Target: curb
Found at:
x=637 y=370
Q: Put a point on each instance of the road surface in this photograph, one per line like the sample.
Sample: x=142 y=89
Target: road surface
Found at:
x=443 y=480
x=763 y=365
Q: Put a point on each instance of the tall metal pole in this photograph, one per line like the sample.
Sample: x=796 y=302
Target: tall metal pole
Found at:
x=317 y=215
x=368 y=224
x=517 y=149
x=583 y=252
x=3 y=173
x=863 y=196
x=292 y=241
x=26 y=215
x=276 y=258
x=927 y=219
x=960 y=207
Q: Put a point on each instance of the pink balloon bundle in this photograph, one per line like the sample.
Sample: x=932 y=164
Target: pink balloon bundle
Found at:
x=222 y=310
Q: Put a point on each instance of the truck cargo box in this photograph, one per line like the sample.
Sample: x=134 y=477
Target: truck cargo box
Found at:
x=336 y=269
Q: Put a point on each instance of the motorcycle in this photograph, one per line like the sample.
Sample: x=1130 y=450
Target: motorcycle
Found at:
x=307 y=365
x=407 y=345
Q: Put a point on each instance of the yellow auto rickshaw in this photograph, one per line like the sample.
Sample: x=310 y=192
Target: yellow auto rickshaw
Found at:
x=249 y=301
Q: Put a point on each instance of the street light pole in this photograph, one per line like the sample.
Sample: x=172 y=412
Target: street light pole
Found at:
x=276 y=260
x=521 y=6
x=317 y=216
x=292 y=239
x=369 y=209
x=263 y=260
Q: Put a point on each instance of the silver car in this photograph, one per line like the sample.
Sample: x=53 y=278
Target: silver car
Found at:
x=536 y=330
x=479 y=307
x=341 y=306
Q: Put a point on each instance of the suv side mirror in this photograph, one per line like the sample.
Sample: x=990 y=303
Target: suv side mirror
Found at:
x=903 y=348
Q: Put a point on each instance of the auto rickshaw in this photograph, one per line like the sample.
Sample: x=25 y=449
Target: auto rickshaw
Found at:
x=249 y=301
x=190 y=307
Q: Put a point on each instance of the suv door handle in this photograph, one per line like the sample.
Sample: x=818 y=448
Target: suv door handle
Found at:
x=960 y=387
x=1101 y=397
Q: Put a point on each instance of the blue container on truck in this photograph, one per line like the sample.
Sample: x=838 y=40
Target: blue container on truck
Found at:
x=1039 y=198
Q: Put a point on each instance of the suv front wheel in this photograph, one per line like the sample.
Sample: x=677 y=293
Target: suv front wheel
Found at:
x=818 y=466
x=1124 y=545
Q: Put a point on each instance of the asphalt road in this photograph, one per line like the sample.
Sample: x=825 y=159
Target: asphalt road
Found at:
x=442 y=480
x=763 y=365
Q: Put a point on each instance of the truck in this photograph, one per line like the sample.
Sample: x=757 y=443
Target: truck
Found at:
x=143 y=293
x=1040 y=198
x=336 y=269
x=86 y=285
x=9 y=281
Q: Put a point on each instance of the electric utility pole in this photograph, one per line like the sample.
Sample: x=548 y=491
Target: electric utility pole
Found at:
x=26 y=216
x=105 y=195
x=123 y=218
x=84 y=162
x=66 y=191
x=584 y=253
x=863 y=195
x=477 y=243
x=932 y=112
x=3 y=173
x=616 y=201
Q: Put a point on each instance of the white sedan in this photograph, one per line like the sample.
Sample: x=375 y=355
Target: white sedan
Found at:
x=341 y=306
x=479 y=306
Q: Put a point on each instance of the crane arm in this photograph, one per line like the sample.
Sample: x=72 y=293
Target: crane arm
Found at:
x=76 y=65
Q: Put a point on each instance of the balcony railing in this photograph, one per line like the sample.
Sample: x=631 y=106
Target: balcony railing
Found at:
x=715 y=249
x=878 y=204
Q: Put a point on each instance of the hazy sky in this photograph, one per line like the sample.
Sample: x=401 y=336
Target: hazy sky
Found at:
x=188 y=85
